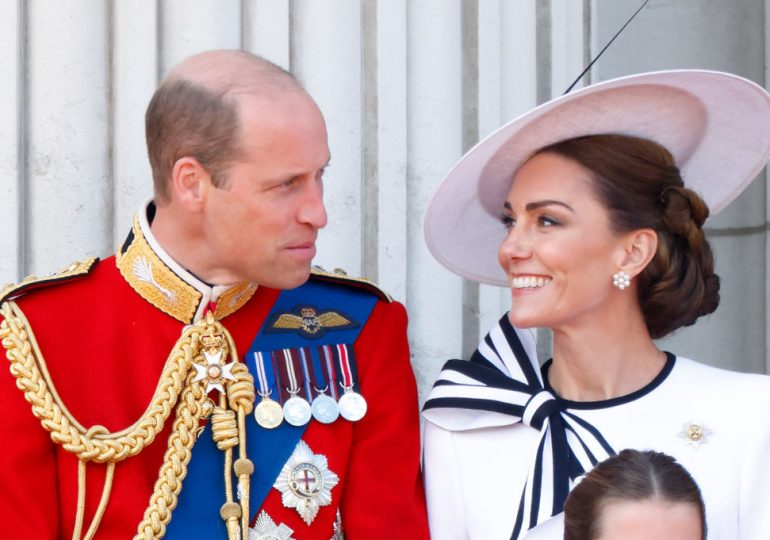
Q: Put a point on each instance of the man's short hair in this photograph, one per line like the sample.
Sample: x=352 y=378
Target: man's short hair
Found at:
x=185 y=118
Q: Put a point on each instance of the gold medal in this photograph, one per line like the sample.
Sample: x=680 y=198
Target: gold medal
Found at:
x=268 y=413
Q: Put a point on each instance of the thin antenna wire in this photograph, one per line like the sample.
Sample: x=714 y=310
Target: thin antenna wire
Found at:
x=605 y=48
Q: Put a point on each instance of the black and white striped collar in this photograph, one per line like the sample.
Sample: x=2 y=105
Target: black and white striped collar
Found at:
x=503 y=385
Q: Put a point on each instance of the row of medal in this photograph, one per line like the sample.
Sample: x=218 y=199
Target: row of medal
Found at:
x=309 y=382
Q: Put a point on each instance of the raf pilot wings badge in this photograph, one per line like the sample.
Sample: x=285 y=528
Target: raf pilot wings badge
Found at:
x=309 y=322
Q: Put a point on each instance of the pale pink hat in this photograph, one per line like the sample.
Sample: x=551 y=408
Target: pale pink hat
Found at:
x=716 y=125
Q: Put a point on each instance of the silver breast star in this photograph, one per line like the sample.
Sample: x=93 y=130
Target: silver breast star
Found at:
x=266 y=529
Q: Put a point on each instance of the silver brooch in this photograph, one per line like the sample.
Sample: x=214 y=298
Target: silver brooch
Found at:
x=305 y=482
x=694 y=433
x=266 y=529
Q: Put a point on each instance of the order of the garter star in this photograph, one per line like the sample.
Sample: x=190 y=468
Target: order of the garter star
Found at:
x=305 y=482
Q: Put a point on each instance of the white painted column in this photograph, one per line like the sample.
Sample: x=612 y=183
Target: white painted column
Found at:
x=266 y=30
x=135 y=76
x=192 y=26
x=392 y=158
x=326 y=57
x=567 y=58
x=434 y=295
x=11 y=139
x=69 y=185
x=507 y=88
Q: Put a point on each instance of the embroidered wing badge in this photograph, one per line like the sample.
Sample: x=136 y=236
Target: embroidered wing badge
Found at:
x=309 y=322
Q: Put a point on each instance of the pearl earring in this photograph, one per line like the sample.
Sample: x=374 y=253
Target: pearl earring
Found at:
x=621 y=280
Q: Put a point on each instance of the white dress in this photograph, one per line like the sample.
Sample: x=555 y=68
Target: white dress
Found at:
x=474 y=477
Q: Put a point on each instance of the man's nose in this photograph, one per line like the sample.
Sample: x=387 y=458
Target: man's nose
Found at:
x=313 y=211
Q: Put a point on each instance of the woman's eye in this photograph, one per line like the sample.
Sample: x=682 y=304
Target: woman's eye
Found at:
x=507 y=221
x=547 y=221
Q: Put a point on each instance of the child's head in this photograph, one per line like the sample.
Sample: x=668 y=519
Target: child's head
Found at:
x=635 y=495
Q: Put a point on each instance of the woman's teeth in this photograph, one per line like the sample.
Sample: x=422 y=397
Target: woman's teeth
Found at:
x=529 y=282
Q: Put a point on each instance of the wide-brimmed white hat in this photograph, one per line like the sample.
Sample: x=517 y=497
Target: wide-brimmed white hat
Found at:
x=716 y=125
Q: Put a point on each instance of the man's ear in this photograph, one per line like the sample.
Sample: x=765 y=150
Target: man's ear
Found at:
x=639 y=249
x=189 y=182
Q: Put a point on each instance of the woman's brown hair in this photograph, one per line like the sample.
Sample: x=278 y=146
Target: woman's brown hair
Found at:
x=641 y=187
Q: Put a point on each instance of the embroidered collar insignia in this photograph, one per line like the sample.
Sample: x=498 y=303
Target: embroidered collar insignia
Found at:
x=309 y=322
x=152 y=277
x=305 y=482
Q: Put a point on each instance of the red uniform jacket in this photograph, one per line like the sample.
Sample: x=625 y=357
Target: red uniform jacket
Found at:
x=105 y=346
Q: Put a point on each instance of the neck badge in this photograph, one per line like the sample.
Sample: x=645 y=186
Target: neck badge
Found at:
x=215 y=372
x=305 y=482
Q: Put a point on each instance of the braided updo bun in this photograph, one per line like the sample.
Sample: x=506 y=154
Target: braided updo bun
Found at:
x=638 y=182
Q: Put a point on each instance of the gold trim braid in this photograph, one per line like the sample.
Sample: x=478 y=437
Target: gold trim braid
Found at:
x=178 y=383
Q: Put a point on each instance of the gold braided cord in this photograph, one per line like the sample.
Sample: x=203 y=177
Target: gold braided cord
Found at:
x=224 y=428
x=81 y=509
x=81 y=506
x=176 y=387
x=241 y=396
x=184 y=433
x=32 y=378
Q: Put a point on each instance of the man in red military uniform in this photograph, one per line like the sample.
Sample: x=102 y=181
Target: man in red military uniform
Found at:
x=134 y=381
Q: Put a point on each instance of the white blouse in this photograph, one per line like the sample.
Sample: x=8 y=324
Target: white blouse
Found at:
x=474 y=478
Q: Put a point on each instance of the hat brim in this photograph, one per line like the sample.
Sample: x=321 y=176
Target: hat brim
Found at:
x=716 y=125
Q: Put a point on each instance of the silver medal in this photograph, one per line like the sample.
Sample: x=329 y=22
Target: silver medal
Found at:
x=297 y=411
x=325 y=409
x=352 y=405
x=268 y=413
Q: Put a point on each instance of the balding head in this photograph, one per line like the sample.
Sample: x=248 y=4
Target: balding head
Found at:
x=194 y=112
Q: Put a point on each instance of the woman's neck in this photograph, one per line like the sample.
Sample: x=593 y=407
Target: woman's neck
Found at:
x=600 y=362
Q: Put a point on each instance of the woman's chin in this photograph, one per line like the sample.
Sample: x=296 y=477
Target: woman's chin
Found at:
x=524 y=320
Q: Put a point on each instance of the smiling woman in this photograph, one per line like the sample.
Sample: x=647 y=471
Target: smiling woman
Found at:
x=602 y=195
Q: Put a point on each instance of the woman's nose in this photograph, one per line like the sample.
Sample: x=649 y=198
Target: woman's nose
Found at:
x=515 y=246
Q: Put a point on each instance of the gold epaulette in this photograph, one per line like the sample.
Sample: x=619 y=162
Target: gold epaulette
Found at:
x=73 y=271
x=340 y=276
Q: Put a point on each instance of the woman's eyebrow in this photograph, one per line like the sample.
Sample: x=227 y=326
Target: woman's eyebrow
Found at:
x=539 y=204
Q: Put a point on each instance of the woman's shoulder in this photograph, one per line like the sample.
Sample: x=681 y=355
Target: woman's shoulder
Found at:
x=695 y=368
x=699 y=374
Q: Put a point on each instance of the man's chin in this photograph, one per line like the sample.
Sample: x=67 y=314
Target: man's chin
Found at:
x=290 y=279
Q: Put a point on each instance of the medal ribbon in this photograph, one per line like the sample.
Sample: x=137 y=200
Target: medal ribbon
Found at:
x=328 y=355
x=347 y=366
x=501 y=385
x=286 y=369
x=317 y=369
x=265 y=378
x=303 y=354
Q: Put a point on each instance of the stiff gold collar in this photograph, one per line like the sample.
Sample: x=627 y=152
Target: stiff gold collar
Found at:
x=160 y=280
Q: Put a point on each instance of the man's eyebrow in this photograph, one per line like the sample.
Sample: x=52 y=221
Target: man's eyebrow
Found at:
x=540 y=204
